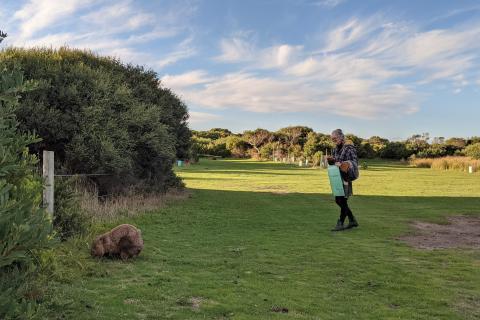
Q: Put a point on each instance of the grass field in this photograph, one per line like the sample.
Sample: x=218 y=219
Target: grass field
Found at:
x=254 y=238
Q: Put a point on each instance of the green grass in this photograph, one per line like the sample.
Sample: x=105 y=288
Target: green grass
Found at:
x=255 y=235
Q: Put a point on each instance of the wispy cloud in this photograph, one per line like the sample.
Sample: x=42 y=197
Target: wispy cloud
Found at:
x=183 y=51
x=187 y=79
x=235 y=49
x=367 y=68
x=108 y=27
x=36 y=15
x=241 y=49
x=329 y=3
x=245 y=91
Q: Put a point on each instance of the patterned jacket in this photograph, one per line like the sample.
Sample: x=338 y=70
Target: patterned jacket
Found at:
x=348 y=153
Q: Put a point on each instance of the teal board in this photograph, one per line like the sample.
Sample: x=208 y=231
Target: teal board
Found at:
x=336 y=181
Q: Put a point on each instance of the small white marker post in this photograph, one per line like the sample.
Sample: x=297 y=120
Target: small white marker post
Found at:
x=48 y=176
x=470 y=169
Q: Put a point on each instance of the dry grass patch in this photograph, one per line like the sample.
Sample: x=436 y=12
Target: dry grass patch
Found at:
x=447 y=163
x=131 y=204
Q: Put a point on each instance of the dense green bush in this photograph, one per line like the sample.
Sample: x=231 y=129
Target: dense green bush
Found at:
x=473 y=150
x=395 y=150
x=101 y=116
x=266 y=151
x=434 y=151
x=68 y=218
x=237 y=146
x=24 y=225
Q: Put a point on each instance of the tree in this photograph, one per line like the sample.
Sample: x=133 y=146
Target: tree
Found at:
x=257 y=138
x=237 y=146
x=473 y=140
x=454 y=145
x=417 y=143
x=295 y=135
x=456 y=142
x=377 y=143
x=3 y=35
x=311 y=145
x=214 y=133
x=438 y=140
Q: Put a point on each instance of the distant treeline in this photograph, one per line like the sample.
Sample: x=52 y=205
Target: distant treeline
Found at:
x=304 y=143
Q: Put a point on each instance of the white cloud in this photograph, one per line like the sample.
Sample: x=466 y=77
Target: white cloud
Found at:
x=185 y=80
x=107 y=27
x=118 y=17
x=241 y=49
x=329 y=3
x=199 y=117
x=355 y=98
x=183 y=51
x=368 y=68
x=235 y=50
x=346 y=35
x=36 y=15
x=278 y=56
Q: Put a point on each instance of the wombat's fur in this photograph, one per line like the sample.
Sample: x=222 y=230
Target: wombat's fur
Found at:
x=124 y=241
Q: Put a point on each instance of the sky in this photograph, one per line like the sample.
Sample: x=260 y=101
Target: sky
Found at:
x=388 y=68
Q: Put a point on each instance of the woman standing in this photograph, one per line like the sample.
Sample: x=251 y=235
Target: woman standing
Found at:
x=345 y=157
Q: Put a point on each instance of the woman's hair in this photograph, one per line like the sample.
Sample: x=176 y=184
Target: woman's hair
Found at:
x=339 y=134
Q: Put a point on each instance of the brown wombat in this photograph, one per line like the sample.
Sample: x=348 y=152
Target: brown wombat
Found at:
x=124 y=241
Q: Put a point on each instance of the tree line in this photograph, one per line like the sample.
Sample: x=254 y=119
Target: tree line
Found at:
x=301 y=142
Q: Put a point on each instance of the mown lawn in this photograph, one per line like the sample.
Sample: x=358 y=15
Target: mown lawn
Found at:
x=254 y=238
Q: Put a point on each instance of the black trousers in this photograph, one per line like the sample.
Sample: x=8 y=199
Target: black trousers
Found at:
x=344 y=209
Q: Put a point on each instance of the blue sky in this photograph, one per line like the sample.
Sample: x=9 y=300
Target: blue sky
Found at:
x=389 y=68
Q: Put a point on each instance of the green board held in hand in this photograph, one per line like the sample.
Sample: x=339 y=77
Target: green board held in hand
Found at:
x=336 y=181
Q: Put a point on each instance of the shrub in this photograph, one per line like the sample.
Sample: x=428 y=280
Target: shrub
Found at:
x=24 y=225
x=473 y=150
x=68 y=219
x=101 y=116
x=394 y=150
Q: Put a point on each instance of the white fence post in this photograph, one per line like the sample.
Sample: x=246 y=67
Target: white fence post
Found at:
x=48 y=176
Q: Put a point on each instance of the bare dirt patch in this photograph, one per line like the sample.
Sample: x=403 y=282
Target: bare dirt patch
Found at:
x=460 y=232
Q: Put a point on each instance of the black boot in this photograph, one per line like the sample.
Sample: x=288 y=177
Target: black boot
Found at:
x=339 y=226
x=352 y=223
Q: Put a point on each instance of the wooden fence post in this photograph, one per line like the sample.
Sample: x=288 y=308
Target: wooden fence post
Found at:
x=48 y=176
